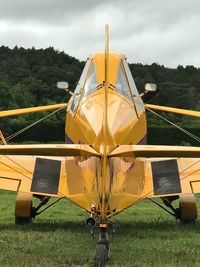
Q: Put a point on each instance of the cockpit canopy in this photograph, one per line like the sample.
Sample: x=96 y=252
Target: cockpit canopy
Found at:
x=93 y=77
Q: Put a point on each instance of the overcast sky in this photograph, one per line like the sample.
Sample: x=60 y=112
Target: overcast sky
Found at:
x=147 y=31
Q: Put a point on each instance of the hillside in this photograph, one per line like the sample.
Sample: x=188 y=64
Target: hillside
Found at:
x=28 y=78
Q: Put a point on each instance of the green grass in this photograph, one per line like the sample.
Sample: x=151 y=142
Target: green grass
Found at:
x=146 y=236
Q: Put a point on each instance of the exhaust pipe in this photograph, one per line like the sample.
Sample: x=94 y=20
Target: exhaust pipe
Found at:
x=90 y=222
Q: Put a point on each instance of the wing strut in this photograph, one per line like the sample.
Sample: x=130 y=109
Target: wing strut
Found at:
x=2 y=138
x=193 y=136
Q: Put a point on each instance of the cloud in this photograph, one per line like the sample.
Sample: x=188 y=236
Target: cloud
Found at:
x=45 y=11
x=147 y=31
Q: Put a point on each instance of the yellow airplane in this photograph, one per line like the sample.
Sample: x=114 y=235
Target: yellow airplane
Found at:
x=105 y=165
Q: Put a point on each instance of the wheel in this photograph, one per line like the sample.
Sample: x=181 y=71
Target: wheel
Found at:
x=101 y=255
x=187 y=211
x=23 y=208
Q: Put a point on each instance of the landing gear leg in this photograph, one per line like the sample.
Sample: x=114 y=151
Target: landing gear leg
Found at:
x=187 y=210
x=102 y=248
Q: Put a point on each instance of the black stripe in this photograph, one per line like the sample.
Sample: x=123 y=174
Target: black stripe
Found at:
x=46 y=176
x=166 y=178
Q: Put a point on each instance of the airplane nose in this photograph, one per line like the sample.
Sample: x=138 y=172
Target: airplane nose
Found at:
x=120 y=115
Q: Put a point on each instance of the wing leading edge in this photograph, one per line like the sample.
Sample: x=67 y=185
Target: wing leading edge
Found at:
x=149 y=151
x=174 y=110
x=58 y=150
x=14 y=112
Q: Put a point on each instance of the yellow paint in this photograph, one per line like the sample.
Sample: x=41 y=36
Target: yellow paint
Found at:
x=103 y=225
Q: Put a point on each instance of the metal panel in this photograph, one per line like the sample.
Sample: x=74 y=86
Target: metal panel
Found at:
x=46 y=176
x=195 y=186
x=166 y=178
x=9 y=183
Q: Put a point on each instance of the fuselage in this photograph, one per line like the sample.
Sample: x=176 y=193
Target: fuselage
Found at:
x=105 y=112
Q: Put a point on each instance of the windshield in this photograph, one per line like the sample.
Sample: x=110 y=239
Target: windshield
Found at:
x=77 y=92
x=91 y=82
x=122 y=85
x=130 y=78
x=85 y=87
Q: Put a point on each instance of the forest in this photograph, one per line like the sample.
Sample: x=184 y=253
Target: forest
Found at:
x=28 y=78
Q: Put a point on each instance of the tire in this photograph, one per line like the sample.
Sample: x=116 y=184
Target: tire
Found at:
x=187 y=211
x=23 y=208
x=101 y=255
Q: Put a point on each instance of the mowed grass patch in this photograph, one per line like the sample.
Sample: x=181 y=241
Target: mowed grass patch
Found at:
x=145 y=236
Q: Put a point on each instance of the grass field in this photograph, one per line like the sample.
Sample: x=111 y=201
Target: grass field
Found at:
x=146 y=236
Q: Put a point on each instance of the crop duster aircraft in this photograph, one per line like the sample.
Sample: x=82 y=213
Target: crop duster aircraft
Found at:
x=105 y=165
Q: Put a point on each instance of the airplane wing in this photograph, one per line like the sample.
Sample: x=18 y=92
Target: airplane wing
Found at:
x=54 y=170
x=172 y=176
x=13 y=112
x=21 y=173
x=160 y=170
x=70 y=171
x=174 y=110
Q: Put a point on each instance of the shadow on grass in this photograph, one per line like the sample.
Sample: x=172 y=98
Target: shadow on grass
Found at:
x=46 y=226
x=124 y=228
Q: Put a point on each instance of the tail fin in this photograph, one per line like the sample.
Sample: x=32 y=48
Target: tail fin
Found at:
x=106 y=53
x=105 y=122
